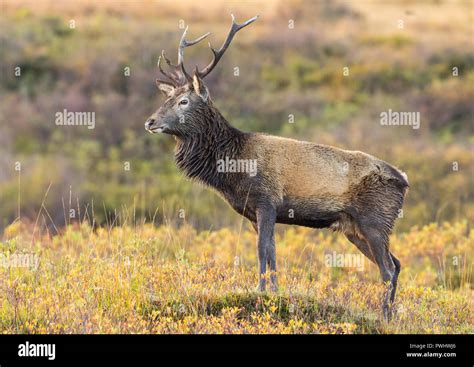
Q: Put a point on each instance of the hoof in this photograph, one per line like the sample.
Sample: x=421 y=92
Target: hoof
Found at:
x=387 y=313
x=274 y=287
x=261 y=286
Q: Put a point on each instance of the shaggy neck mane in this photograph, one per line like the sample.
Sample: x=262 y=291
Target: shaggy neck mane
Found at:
x=197 y=155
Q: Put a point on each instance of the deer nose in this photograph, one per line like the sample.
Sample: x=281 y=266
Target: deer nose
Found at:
x=149 y=123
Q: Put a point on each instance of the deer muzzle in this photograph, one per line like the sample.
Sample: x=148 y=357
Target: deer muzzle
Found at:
x=152 y=126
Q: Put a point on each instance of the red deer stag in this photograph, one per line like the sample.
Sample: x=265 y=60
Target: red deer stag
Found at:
x=321 y=186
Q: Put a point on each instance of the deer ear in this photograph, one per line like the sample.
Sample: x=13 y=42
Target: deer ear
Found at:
x=166 y=88
x=199 y=87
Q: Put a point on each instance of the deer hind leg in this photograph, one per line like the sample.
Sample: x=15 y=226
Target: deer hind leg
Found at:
x=395 y=278
x=348 y=225
x=388 y=265
x=377 y=203
x=362 y=245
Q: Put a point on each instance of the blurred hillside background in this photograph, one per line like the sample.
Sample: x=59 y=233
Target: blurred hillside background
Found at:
x=76 y=55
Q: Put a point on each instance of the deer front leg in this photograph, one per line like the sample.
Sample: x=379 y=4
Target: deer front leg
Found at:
x=271 y=262
x=271 y=259
x=266 y=216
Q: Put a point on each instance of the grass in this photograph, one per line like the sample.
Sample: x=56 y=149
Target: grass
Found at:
x=147 y=279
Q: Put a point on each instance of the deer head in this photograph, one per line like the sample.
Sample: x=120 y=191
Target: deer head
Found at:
x=188 y=106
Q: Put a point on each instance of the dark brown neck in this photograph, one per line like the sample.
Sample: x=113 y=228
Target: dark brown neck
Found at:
x=197 y=155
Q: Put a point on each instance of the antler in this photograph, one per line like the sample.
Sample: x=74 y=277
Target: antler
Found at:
x=179 y=75
x=234 y=28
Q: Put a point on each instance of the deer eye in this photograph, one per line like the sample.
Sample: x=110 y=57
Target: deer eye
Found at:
x=183 y=102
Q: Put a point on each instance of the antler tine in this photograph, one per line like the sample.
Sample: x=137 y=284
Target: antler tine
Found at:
x=182 y=45
x=171 y=76
x=168 y=61
x=217 y=54
x=178 y=74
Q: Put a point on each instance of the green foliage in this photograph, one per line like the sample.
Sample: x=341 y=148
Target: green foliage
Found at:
x=298 y=73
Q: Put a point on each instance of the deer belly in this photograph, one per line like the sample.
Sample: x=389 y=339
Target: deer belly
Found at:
x=311 y=212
